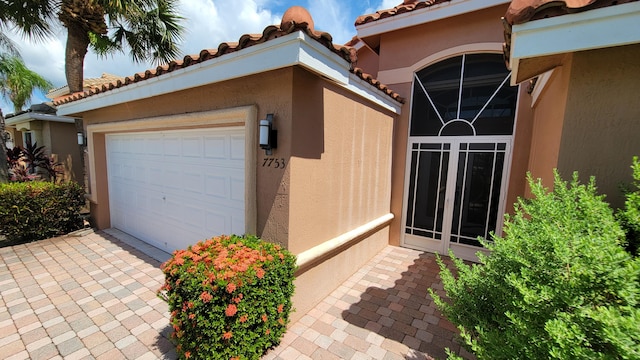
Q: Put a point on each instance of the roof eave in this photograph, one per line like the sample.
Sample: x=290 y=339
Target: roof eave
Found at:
x=293 y=49
x=424 y=15
x=34 y=116
x=536 y=46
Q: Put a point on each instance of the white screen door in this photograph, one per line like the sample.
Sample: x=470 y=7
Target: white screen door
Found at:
x=459 y=148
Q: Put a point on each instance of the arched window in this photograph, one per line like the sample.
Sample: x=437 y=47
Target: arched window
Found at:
x=467 y=95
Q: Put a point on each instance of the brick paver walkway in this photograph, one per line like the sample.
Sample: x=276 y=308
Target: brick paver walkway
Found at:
x=93 y=297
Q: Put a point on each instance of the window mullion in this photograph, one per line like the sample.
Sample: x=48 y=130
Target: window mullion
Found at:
x=428 y=97
x=460 y=88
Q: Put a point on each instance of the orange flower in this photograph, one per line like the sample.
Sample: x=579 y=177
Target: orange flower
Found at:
x=259 y=273
x=192 y=316
x=228 y=335
x=268 y=331
x=264 y=317
x=187 y=354
x=231 y=310
x=280 y=308
x=238 y=299
x=231 y=287
x=244 y=318
x=206 y=297
x=281 y=321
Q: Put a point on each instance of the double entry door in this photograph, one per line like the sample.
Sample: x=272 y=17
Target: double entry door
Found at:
x=454 y=193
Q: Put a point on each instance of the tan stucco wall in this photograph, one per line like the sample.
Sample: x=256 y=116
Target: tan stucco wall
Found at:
x=319 y=281
x=521 y=151
x=340 y=165
x=368 y=60
x=63 y=145
x=408 y=46
x=548 y=121
x=340 y=179
x=601 y=130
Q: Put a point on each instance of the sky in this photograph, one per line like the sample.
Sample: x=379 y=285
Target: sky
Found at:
x=208 y=23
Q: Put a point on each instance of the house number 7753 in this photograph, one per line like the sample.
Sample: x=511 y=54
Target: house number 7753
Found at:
x=277 y=163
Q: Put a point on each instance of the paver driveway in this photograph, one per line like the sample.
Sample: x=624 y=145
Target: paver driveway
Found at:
x=95 y=297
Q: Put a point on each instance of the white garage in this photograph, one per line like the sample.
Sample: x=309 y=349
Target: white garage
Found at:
x=172 y=188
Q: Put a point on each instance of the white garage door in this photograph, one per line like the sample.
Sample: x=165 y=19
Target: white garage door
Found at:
x=173 y=188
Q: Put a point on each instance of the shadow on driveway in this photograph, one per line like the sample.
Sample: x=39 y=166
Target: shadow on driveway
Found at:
x=399 y=307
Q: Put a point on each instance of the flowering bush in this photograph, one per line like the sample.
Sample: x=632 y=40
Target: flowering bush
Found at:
x=229 y=297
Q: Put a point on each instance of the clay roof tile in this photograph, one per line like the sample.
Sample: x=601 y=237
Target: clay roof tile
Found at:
x=406 y=7
x=294 y=19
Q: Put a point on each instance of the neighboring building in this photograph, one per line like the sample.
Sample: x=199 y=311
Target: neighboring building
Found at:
x=40 y=125
x=431 y=164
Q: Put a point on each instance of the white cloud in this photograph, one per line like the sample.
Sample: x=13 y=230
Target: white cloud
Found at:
x=334 y=17
x=388 y=4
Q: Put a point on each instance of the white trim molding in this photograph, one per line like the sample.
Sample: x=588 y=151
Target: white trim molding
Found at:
x=32 y=116
x=425 y=15
x=290 y=50
x=594 y=29
x=540 y=85
x=246 y=116
x=405 y=74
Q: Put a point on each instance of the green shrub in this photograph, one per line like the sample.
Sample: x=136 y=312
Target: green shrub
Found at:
x=229 y=297
x=39 y=210
x=559 y=285
x=629 y=217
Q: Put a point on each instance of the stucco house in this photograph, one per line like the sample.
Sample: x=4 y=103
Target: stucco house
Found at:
x=414 y=134
x=42 y=126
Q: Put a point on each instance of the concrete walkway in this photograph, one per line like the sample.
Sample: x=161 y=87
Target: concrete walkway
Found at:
x=94 y=297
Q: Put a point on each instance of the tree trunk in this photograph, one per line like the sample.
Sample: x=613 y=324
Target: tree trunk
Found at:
x=4 y=166
x=77 y=45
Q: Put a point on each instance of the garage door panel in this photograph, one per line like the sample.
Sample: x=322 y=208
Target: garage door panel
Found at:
x=237 y=148
x=192 y=147
x=193 y=182
x=172 y=189
x=237 y=189
x=171 y=146
x=215 y=147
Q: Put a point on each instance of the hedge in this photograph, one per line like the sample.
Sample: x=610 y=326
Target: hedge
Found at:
x=38 y=210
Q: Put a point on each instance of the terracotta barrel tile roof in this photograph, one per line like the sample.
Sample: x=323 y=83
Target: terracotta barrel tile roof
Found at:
x=522 y=11
x=405 y=7
x=289 y=25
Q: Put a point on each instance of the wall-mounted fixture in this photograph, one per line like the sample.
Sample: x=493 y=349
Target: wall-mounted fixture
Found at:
x=8 y=140
x=81 y=139
x=268 y=135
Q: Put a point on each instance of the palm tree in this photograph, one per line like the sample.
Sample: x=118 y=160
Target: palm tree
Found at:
x=150 y=29
x=17 y=82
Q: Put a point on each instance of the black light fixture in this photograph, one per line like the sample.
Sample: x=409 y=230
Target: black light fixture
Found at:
x=268 y=135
